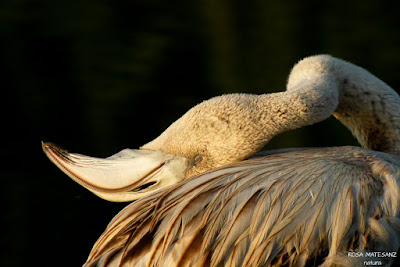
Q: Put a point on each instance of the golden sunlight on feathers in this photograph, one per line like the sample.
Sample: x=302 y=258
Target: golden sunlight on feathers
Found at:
x=284 y=208
x=291 y=207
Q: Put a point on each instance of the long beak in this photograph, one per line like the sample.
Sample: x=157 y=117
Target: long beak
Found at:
x=125 y=176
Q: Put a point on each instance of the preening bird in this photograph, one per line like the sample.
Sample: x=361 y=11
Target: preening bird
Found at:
x=203 y=201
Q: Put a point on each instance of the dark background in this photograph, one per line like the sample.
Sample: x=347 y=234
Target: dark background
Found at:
x=100 y=76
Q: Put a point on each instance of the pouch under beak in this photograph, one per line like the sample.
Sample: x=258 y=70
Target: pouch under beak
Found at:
x=125 y=176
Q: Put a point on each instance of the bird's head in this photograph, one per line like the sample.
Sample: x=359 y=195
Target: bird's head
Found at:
x=214 y=133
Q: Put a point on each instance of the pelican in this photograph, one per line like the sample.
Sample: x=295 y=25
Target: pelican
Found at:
x=321 y=206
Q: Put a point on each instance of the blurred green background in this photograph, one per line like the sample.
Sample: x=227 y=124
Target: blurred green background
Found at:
x=99 y=76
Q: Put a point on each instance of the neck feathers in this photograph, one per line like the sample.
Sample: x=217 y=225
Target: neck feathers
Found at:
x=367 y=106
x=231 y=128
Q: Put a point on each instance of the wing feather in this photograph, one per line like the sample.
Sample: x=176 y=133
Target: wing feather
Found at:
x=285 y=208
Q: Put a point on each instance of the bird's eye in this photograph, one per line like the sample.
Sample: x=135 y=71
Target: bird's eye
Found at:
x=197 y=159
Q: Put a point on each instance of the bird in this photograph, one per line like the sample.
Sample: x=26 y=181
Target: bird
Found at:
x=333 y=206
x=219 y=131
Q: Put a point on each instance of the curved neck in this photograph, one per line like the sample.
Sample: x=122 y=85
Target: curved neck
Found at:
x=305 y=102
x=367 y=106
x=234 y=127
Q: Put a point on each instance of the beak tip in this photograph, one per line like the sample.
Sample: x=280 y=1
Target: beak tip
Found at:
x=44 y=144
x=47 y=146
x=51 y=148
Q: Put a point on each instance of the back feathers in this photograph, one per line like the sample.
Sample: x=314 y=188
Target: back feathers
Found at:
x=308 y=206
